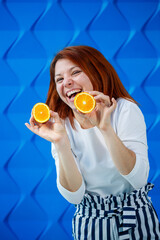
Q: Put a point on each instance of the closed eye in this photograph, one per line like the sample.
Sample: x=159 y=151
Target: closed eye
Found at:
x=76 y=72
x=59 y=79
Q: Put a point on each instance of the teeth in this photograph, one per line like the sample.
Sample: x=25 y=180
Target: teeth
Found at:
x=72 y=92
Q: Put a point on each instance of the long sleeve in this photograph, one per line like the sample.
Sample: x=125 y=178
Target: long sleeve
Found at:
x=131 y=129
x=72 y=197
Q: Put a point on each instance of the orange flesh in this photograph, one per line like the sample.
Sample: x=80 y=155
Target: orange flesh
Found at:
x=84 y=102
x=41 y=112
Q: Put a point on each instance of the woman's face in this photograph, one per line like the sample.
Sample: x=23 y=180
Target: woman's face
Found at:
x=70 y=80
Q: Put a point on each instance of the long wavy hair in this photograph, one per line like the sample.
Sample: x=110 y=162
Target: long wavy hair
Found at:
x=100 y=72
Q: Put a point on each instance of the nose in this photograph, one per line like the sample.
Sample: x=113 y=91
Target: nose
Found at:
x=67 y=82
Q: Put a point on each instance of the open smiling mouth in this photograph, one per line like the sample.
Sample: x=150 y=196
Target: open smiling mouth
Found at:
x=72 y=94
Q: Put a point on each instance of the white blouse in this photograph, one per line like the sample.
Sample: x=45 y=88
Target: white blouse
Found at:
x=100 y=175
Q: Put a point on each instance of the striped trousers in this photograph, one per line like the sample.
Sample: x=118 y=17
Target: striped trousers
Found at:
x=126 y=216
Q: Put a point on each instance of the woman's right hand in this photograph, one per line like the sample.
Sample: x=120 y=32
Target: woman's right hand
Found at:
x=53 y=131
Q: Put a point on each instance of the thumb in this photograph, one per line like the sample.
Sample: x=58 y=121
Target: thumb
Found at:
x=114 y=104
x=54 y=116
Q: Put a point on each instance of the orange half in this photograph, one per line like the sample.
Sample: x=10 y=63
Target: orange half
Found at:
x=84 y=102
x=41 y=112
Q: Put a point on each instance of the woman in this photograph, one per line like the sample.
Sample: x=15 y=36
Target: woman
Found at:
x=101 y=157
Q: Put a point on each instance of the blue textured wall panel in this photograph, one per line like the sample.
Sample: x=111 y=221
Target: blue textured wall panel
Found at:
x=31 y=32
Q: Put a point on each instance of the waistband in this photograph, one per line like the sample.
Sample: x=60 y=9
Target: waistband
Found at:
x=122 y=207
x=136 y=199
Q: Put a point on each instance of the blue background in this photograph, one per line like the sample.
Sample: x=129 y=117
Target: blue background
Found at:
x=31 y=32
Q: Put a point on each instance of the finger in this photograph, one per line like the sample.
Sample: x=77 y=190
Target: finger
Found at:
x=34 y=129
x=27 y=125
x=55 y=116
x=30 y=127
x=114 y=104
x=99 y=97
x=97 y=93
x=32 y=121
x=94 y=92
x=103 y=98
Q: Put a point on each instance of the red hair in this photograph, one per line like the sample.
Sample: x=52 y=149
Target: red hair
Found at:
x=100 y=72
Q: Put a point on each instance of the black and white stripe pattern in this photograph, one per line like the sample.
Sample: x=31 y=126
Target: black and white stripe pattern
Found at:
x=126 y=216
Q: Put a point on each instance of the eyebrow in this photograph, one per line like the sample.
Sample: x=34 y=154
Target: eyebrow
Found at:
x=59 y=74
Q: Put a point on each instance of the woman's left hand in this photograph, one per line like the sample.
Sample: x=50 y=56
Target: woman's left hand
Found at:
x=101 y=115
